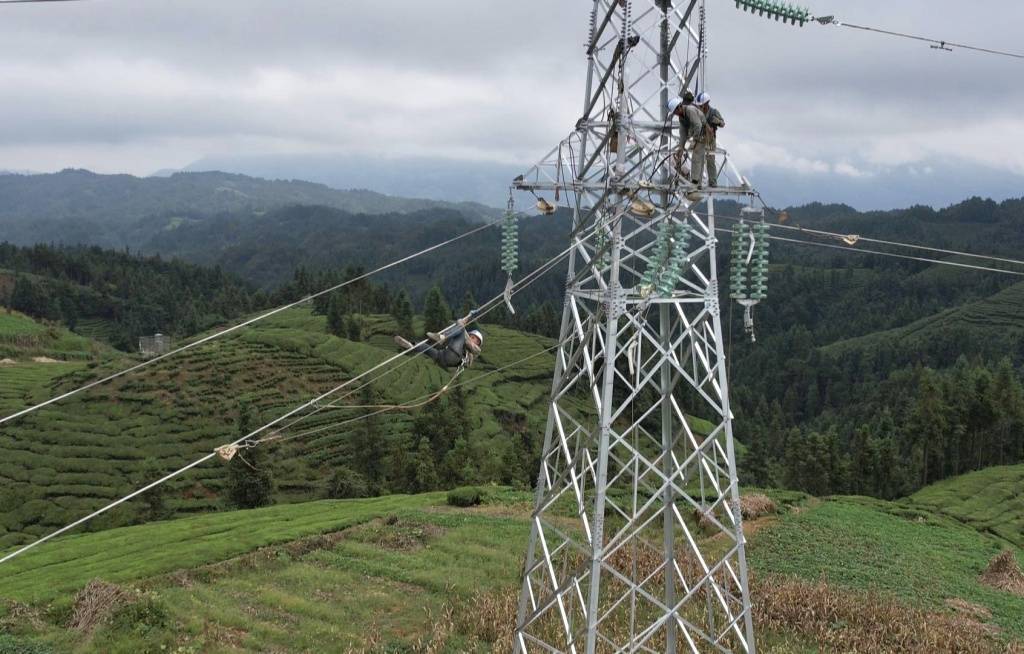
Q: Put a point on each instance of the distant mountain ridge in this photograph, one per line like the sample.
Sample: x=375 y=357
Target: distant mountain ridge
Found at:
x=77 y=206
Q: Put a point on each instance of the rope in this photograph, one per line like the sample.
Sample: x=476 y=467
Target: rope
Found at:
x=529 y=279
x=526 y=281
x=383 y=408
x=468 y=382
x=202 y=459
x=251 y=321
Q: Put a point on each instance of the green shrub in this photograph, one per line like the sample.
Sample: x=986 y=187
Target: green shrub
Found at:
x=141 y=617
x=346 y=483
x=463 y=497
x=11 y=645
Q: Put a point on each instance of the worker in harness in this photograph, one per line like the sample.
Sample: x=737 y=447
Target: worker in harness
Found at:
x=707 y=143
x=453 y=347
x=691 y=127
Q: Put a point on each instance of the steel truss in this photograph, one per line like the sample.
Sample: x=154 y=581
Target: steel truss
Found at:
x=636 y=539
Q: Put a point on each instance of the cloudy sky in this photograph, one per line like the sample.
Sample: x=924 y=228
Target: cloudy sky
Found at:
x=140 y=85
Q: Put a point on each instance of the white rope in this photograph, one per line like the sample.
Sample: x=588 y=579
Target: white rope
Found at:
x=494 y=304
x=411 y=403
x=202 y=459
x=526 y=281
x=229 y=330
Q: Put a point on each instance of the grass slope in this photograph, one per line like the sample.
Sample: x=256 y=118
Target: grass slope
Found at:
x=407 y=568
x=68 y=459
x=22 y=338
x=990 y=500
x=996 y=318
x=918 y=557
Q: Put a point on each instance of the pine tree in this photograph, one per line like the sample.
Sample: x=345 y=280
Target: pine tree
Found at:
x=426 y=471
x=468 y=303
x=249 y=484
x=1009 y=401
x=460 y=465
x=354 y=329
x=436 y=314
x=369 y=445
x=336 y=315
x=401 y=467
x=402 y=313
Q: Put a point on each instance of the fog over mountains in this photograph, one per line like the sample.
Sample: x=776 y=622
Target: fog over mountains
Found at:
x=866 y=187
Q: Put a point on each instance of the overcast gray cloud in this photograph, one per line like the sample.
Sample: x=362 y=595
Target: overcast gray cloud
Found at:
x=135 y=86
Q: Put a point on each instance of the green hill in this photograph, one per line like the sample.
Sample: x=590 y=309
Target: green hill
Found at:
x=993 y=325
x=82 y=207
x=407 y=573
x=70 y=458
x=990 y=500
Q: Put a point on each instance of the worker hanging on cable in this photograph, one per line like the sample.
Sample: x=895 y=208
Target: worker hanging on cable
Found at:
x=453 y=347
x=707 y=143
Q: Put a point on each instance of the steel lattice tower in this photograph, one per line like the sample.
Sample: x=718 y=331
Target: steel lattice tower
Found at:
x=636 y=541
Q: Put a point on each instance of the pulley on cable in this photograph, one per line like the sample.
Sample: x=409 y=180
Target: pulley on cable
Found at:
x=510 y=250
x=748 y=269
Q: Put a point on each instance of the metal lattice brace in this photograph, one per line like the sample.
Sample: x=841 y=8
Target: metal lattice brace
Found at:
x=636 y=539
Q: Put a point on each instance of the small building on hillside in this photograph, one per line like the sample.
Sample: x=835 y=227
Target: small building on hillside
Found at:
x=155 y=345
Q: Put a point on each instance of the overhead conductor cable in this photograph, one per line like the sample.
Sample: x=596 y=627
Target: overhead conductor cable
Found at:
x=263 y=316
x=224 y=450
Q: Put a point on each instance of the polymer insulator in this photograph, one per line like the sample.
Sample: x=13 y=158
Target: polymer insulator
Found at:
x=510 y=243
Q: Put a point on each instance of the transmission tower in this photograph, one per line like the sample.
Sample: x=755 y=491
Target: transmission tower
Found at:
x=636 y=539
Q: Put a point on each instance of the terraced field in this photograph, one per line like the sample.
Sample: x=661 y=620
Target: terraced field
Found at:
x=68 y=459
x=995 y=320
x=407 y=573
x=990 y=500
x=22 y=338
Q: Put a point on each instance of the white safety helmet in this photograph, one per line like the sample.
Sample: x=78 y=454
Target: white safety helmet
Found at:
x=702 y=99
x=479 y=334
x=673 y=103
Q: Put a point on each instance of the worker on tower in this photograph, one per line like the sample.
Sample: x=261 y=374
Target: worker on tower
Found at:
x=454 y=346
x=707 y=143
x=691 y=126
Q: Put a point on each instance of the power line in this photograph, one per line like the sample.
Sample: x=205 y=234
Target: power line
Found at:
x=489 y=306
x=482 y=311
x=937 y=44
x=251 y=321
x=195 y=463
x=800 y=16
x=379 y=411
x=857 y=238
x=846 y=248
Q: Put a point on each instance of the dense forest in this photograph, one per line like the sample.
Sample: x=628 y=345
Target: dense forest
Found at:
x=869 y=375
x=118 y=296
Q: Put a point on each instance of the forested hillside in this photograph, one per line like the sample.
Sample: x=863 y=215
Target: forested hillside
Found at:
x=71 y=458
x=118 y=297
x=80 y=207
x=870 y=375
